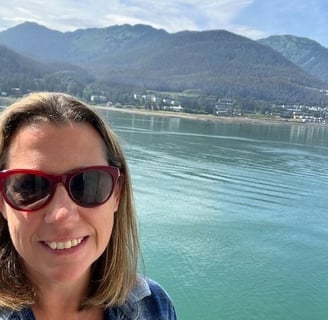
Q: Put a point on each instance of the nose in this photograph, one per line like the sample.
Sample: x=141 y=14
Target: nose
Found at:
x=61 y=207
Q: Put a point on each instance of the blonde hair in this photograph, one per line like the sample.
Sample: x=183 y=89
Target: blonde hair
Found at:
x=114 y=274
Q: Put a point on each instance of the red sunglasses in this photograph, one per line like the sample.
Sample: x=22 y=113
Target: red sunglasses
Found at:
x=30 y=190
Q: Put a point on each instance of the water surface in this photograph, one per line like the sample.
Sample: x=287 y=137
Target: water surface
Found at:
x=233 y=216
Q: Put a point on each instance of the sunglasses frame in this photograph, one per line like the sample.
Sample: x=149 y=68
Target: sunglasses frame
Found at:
x=54 y=179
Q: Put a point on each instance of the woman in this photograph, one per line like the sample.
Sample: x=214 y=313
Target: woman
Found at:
x=68 y=236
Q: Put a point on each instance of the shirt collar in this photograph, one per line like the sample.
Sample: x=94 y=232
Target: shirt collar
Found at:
x=131 y=307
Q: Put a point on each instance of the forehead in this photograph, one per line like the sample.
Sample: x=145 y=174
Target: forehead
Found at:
x=56 y=147
x=45 y=130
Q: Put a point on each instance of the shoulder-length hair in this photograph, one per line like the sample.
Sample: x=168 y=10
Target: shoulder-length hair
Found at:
x=114 y=274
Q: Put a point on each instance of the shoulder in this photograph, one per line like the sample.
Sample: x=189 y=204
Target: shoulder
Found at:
x=147 y=301
x=158 y=296
x=5 y=314
x=158 y=302
x=24 y=314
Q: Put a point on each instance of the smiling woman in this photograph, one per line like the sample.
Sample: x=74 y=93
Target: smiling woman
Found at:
x=68 y=235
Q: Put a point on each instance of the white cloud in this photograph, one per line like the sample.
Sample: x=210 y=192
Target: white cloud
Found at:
x=251 y=18
x=171 y=15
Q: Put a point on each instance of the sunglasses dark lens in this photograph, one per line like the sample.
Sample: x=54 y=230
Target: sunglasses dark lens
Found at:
x=91 y=187
x=27 y=191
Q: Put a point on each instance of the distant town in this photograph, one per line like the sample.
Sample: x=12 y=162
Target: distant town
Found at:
x=220 y=107
x=194 y=103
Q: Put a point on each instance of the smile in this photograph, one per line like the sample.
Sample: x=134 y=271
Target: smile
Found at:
x=61 y=245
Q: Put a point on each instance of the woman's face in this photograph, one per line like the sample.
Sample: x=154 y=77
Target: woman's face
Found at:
x=62 y=222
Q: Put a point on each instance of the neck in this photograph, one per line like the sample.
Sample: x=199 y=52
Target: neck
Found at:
x=57 y=300
x=95 y=313
x=63 y=302
x=63 y=296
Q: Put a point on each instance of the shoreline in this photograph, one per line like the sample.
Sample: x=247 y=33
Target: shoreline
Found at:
x=207 y=117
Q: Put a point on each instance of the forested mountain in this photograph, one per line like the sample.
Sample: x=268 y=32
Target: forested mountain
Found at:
x=17 y=70
x=303 y=52
x=217 y=63
x=22 y=73
x=82 y=46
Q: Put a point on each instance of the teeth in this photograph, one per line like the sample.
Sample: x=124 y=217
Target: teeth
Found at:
x=64 y=245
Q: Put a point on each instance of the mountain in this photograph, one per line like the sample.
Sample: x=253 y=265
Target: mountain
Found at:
x=36 y=41
x=216 y=62
x=305 y=53
x=18 y=71
x=79 y=47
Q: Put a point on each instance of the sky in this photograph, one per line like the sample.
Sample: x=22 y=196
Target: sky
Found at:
x=254 y=19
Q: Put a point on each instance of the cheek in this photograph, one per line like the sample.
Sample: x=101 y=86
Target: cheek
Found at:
x=102 y=222
x=105 y=227
x=116 y=197
x=3 y=208
x=16 y=231
x=20 y=229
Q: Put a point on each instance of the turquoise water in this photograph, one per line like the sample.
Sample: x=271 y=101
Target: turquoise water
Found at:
x=233 y=216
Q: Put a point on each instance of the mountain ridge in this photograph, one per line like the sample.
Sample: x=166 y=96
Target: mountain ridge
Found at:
x=308 y=54
x=216 y=62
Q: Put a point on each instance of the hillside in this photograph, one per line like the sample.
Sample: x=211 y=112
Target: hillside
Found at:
x=18 y=71
x=305 y=53
x=216 y=62
x=31 y=39
x=78 y=47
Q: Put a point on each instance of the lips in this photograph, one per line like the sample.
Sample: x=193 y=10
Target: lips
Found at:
x=62 y=245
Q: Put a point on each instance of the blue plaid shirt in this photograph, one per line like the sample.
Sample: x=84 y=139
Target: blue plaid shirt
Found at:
x=147 y=301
